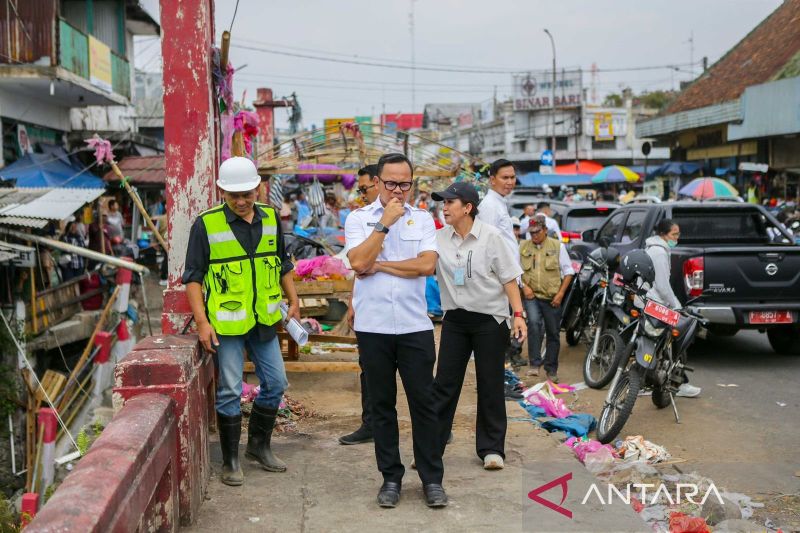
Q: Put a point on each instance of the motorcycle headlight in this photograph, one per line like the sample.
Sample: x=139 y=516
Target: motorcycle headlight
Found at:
x=618 y=298
x=651 y=330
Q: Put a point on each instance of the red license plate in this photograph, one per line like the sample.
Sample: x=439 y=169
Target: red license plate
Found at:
x=770 y=317
x=662 y=313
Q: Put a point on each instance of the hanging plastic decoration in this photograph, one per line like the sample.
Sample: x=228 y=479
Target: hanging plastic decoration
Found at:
x=246 y=122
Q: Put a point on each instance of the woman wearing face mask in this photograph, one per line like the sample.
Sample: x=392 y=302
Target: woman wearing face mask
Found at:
x=658 y=248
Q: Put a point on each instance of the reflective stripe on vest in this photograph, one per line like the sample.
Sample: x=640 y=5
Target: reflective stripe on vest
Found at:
x=241 y=289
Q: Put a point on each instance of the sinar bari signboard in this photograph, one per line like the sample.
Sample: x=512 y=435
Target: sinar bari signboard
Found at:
x=534 y=90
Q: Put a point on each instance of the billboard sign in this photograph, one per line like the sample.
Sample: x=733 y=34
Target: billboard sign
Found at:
x=534 y=90
x=100 y=64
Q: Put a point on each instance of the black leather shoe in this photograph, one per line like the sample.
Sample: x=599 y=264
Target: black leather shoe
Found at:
x=435 y=495
x=389 y=495
x=359 y=436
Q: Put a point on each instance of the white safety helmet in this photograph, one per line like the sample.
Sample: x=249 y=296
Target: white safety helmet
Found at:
x=238 y=174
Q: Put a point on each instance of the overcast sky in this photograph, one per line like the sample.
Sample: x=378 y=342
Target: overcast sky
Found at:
x=463 y=34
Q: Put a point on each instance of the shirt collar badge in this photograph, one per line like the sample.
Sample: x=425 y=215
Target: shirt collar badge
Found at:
x=410 y=222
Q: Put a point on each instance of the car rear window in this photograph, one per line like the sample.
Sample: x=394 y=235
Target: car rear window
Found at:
x=721 y=226
x=579 y=220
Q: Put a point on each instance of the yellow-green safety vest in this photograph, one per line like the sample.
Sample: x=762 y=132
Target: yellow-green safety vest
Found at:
x=241 y=289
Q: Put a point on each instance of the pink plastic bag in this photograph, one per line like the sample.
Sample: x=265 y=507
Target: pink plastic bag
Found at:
x=249 y=392
x=554 y=407
x=323 y=265
x=583 y=446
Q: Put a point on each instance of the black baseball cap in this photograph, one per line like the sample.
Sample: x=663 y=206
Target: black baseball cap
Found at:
x=462 y=190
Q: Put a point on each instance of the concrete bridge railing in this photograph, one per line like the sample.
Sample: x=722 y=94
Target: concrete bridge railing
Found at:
x=149 y=469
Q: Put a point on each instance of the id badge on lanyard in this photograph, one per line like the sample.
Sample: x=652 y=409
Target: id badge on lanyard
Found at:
x=460 y=272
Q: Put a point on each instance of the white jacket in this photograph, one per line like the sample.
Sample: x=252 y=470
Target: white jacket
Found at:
x=658 y=250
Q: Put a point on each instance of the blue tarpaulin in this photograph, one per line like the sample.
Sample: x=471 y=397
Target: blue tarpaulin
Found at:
x=47 y=170
x=674 y=168
x=535 y=179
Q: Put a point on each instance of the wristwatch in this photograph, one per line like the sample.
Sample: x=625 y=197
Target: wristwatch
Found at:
x=380 y=227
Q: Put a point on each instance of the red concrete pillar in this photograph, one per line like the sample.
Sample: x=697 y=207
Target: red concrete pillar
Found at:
x=30 y=506
x=266 y=120
x=49 y=427
x=187 y=35
x=177 y=367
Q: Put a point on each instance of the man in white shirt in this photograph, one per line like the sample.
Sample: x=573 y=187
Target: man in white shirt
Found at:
x=553 y=230
x=493 y=209
x=392 y=247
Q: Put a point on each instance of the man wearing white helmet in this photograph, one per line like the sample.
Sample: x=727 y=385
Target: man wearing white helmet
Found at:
x=236 y=275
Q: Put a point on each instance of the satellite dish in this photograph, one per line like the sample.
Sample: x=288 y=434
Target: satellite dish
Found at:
x=646 y=147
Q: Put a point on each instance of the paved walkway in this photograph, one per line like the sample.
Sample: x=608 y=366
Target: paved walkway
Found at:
x=330 y=487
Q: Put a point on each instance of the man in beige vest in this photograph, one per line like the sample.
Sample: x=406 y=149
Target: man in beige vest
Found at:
x=547 y=272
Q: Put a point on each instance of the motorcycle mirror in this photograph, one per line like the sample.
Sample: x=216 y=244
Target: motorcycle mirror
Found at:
x=605 y=242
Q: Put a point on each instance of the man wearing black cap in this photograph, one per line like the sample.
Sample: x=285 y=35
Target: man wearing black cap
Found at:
x=477 y=273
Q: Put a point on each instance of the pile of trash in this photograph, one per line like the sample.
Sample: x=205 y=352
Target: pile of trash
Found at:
x=290 y=411
x=631 y=463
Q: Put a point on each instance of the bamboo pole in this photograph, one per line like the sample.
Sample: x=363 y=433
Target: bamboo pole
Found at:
x=38 y=459
x=30 y=431
x=224 y=49
x=89 y=345
x=136 y=200
x=63 y=246
x=35 y=321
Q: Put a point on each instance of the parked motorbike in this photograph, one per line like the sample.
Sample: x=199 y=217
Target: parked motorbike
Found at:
x=588 y=294
x=660 y=339
x=615 y=327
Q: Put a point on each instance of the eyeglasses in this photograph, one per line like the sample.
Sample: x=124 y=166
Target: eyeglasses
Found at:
x=363 y=190
x=405 y=186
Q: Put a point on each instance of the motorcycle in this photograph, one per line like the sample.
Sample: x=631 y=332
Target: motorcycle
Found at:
x=612 y=334
x=655 y=358
x=585 y=297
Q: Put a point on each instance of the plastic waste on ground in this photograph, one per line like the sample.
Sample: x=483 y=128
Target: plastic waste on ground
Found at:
x=637 y=448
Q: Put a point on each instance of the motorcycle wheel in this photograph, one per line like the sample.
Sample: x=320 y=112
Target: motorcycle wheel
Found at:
x=598 y=371
x=616 y=413
x=572 y=337
x=573 y=328
x=660 y=397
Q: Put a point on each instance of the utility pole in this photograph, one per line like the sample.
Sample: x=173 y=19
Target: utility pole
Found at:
x=413 y=57
x=691 y=53
x=553 y=100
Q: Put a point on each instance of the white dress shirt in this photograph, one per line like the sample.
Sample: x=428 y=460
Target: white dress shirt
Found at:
x=384 y=303
x=552 y=227
x=493 y=210
x=486 y=264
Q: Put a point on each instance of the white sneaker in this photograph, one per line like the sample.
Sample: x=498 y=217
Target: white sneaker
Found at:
x=687 y=390
x=493 y=462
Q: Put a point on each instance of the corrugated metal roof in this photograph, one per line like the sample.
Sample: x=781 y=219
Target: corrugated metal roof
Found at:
x=141 y=170
x=43 y=204
x=36 y=223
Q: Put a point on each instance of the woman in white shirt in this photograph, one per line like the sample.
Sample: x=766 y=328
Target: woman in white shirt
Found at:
x=477 y=275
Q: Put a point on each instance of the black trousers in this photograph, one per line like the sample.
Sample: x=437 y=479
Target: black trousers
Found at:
x=464 y=332
x=366 y=417
x=413 y=355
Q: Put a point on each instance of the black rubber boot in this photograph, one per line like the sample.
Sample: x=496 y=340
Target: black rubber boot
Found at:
x=230 y=430
x=262 y=422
